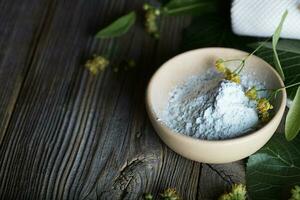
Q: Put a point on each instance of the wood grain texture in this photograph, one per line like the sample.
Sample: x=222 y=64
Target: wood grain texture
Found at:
x=20 y=29
x=66 y=134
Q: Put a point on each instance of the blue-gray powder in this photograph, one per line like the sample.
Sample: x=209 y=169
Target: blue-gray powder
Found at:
x=208 y=107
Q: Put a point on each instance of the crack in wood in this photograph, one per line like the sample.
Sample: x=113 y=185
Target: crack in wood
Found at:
x=131 y=170
x=226 y=177
x=128 y=180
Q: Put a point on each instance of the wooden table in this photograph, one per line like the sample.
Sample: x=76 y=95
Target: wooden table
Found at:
x=66 y=134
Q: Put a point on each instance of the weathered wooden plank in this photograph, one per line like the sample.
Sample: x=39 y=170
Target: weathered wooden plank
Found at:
x=20 y=29
x=75 y=136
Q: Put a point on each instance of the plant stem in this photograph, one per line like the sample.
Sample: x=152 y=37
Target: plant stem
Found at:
x=292 y=85
x=232 y=60
x=273 y=94
x=275 y=91
x=242 y=64
x=260 y=46
x=239 y=69
x=289 y=86
x=267 y=90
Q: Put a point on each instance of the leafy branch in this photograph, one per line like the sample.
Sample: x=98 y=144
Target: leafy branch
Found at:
x=173 y=8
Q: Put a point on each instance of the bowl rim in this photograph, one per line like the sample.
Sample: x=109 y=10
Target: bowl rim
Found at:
x=168 y=131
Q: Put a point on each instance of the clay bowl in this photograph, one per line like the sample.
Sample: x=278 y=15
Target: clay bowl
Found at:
x=177 y=70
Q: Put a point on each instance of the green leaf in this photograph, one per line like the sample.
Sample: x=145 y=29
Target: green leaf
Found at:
x=275 y=39
x=292 y=124
x=274 y=169
x=189 y=7
x=289 y=58
x=118 y=27
x=292 y=46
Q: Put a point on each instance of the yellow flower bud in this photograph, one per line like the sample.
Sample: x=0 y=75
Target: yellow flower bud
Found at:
x=148 y=196
x=263 y=105
x=151 y=20
x=238 y=192
x=251 y=93
x=96 y=64
x=146 y=6
x=233 y=77
x=265 y=116
x=170 y=193
x=220 y=66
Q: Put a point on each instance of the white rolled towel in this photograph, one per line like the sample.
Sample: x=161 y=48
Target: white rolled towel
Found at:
x=261 y=17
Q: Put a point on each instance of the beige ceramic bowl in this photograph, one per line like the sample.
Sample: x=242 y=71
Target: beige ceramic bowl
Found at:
x=176 y=70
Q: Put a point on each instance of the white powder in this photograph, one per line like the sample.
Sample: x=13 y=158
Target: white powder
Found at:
x=208 y=107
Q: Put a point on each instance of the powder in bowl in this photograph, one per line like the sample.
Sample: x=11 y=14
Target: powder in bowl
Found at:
x=209 y=107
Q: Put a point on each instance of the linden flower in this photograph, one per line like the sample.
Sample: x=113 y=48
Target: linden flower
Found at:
x=151 y=16
x=96 y=64
x=221 y=66
x=238 y=192
x=295 y=193
x=251 y=93
x=233 y=77
x=170 y=194
x=263 y=105
x=148 y=196
x=264 y=117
